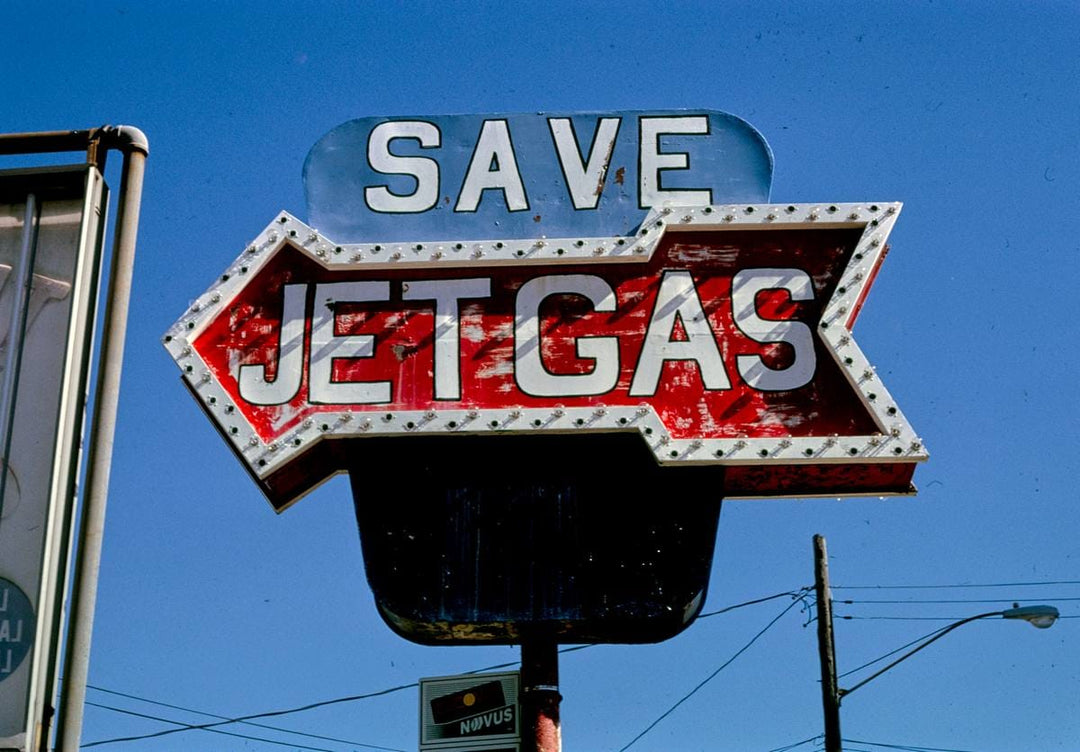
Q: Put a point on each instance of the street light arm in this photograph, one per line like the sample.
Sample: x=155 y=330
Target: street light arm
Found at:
x=905 y=656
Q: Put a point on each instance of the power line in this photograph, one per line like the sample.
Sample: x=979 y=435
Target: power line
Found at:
x=950 y=600
x=253 y=716
x=211 y=730
x=891 y=653
x=907 y=747
x=913 y=642
x=497 y=666
x=710 y=677
x=792 y=593
x=225 y=718
x=956 y=585
x=787 y=747
x=849 y=617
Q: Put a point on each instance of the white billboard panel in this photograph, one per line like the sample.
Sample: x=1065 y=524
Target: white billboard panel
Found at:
x=50 y=240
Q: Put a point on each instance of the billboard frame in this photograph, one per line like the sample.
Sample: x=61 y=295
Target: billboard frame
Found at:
x=96 y=143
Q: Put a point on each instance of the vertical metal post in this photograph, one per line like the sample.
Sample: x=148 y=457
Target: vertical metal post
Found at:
x=103 y=428
x=540 y=728
x=22 y=277
x=830 y=692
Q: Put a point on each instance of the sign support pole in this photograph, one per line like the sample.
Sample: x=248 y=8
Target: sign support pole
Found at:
x=830 y=692
x=540 y=728
x=133 y=144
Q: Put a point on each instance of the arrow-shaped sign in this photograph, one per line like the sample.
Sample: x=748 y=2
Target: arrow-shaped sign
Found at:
x=720 y=334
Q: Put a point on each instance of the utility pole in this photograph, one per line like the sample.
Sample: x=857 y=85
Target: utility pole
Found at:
x=830 y=691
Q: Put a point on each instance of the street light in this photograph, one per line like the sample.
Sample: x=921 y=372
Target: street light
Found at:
x=1040 y=617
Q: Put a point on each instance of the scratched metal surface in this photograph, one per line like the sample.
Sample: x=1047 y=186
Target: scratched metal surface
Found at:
x=248 y=333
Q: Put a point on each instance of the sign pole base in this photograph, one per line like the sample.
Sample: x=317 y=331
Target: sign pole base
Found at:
x=540 y=727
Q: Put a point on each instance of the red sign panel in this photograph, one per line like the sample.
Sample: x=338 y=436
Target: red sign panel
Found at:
x=720 y=334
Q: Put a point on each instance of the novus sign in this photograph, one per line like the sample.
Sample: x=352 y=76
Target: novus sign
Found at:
x=460 y=712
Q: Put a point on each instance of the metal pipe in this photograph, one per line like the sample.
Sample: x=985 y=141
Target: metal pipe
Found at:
x=540 y=727
x=123 y=138
x=47 y=141
x=132 y=142
x=21 y=280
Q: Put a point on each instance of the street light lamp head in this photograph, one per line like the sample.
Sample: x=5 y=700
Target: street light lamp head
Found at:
x=1037 y=616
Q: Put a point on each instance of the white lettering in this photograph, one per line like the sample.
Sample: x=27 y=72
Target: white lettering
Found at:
x=447 y=335
x=423 y=169
x=486 y=720
x=529 y=369
x=493 y=166
x=584 y=176
x=745 y=287
x=654 y=162
x=251 y=380
x=677 y=300
x=6 y=634
x=327 y=346
x=4 y=599
x=6 y=661
x=678 y=329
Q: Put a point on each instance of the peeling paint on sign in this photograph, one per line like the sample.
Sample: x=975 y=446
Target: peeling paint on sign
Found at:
x=720 y=334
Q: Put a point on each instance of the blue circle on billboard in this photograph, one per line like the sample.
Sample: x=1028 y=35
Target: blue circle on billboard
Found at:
x=16 y=627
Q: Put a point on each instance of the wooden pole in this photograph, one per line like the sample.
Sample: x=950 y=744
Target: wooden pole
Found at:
x=830 y=692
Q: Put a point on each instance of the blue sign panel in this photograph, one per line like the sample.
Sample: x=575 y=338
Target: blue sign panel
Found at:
x=16 y=627
x=475 y=177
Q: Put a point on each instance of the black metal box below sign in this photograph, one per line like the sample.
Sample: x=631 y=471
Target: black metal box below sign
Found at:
x=477 y=539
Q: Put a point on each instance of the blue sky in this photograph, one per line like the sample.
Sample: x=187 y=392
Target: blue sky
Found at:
x=967 y=112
